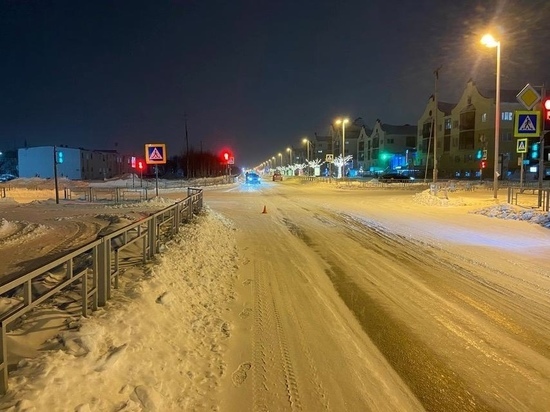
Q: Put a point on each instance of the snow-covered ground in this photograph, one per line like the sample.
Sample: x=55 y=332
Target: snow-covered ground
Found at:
x=161 y=343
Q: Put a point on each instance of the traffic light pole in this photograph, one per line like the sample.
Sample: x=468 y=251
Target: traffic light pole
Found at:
x=541 y=148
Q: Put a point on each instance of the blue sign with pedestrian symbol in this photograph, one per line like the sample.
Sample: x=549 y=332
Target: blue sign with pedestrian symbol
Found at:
x=155 y=153
x=527 y=123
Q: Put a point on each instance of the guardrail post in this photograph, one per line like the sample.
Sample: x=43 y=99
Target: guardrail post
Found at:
x=152 y=233
x=177 y=216
x=102 y=273
x=190 y=205
x=3 y=361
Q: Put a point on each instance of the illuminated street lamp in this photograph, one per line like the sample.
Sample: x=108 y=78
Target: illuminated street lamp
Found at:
x=281 y=156
x=306 y=141
x=343 y=121
x=289 y=150
x=489 y=41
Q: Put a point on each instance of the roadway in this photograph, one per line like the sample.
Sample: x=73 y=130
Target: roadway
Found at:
x=366 y=299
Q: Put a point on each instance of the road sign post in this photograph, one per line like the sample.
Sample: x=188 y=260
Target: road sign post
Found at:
x=521 y=147
x=155 y=154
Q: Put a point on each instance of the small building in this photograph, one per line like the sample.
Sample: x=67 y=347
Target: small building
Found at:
x=72 y=163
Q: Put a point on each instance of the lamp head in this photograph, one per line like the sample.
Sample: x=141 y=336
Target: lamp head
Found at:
x=489 y=41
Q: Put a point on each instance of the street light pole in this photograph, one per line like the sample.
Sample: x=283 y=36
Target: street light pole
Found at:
x=436 y=72
x=281 y=157
x=343 y=121
x=489 y=41
x=306 y=141
x=289 y=150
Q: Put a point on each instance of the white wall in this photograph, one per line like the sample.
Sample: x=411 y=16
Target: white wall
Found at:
x=35 y=161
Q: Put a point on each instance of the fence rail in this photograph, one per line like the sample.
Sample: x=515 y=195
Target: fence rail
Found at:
x=529 y=197
x=94 y=269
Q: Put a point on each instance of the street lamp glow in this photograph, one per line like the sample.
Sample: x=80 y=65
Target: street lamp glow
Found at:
x=281 y=156
x=289 y=150
x=343 y=121
x=490 y=41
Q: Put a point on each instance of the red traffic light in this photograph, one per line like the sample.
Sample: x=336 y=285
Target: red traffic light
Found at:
x=140 y=165
x=483 y=164
x=546 y=113
x=226 y=156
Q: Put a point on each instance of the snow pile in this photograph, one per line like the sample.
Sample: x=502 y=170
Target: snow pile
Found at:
x=506 y=211
x=123 y=354
x=6 y=228
x=17 y=232
x=428 y=199
x=155 y=203
x=499 y=211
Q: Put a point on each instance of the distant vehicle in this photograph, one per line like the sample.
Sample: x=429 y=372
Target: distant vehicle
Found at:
x=6 y=177
x=277 y=177
x=394 y=177
x=252 y=178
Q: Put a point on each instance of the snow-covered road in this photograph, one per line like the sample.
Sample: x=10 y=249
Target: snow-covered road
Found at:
x=368 y=300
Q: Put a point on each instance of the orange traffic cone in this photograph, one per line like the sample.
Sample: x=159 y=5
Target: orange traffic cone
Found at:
x=265 y=210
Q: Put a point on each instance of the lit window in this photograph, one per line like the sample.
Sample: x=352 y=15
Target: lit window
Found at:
x=448 y=124
x=506 y=116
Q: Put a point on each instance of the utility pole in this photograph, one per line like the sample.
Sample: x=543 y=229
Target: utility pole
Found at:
x=186 y=146
x=436 y=73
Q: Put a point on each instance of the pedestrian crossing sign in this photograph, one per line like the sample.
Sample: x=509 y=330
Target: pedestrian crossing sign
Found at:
x=527 y=123
x=155 y=153
x=521 y=146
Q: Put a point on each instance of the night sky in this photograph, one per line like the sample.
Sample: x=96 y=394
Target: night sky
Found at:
x=256 y=76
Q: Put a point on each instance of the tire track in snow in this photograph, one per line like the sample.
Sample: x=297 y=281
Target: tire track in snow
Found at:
x=271 y=348
x=437 y=386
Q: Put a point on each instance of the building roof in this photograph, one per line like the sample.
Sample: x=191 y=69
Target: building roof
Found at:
x=405 y=129
x=445 y=107
x=322 y=138
x=506 y=95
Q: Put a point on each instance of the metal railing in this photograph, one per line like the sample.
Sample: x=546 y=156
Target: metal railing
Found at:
x=93 y=269
x=529 y=197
